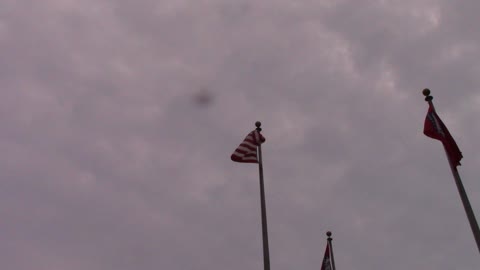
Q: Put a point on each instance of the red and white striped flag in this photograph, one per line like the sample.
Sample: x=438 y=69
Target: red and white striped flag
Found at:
x=327 y=262
x=246 y=152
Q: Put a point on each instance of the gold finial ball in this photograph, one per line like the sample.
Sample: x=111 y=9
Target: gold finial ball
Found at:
x=426 y=92
x=329 y=233
x=258 y=124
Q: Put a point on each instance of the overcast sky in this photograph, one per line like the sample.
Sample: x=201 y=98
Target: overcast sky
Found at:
x=118 y=119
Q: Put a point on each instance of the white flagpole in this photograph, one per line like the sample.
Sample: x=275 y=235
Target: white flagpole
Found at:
x=329 y=234
x=266 y=253
x=461 y=189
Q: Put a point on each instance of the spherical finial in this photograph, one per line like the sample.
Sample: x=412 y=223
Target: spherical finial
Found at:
x=426 y=92
x=258 y=124
x=329 y=233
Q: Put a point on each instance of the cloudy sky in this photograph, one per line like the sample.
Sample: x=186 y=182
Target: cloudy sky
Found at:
x=118 y=119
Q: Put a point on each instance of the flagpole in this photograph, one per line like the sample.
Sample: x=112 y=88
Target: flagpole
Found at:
x=329 y=234
x=266 y=253
x=461 y=189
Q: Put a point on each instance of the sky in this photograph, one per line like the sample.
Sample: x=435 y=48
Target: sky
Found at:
x=118 y=119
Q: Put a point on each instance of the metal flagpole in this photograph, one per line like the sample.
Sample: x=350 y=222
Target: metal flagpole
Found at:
x=461 y=190
x=266 y=255
x=329 y=234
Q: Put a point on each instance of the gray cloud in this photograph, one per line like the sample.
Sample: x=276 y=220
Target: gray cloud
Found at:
x=108 y=164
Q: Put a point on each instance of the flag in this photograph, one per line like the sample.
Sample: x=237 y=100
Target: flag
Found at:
x=434 y=128
x=326 y=263
x=246 y=152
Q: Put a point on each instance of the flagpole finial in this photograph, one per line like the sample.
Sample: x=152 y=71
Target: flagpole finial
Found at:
x=258 y=124
x=426 y=92
x=330 y=253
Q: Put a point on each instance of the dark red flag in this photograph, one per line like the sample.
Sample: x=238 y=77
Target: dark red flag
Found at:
x=326 y=263
x=434 y=128
x=246 y=152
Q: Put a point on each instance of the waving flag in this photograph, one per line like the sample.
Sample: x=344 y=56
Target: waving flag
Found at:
x=434 y=128
x=326 y=263
x=246 y=152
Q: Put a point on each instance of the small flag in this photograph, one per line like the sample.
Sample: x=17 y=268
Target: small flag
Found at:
x=246 y=152
x=434 y=128
x=326 y=263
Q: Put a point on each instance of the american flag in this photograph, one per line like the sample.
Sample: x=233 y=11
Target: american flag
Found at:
x=326 y=263
x=246 y=152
